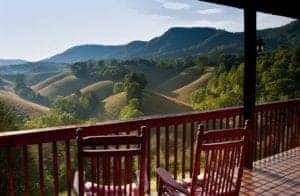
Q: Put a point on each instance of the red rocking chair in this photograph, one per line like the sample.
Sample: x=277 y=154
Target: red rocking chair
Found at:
x=218 y=165
x=111 y=162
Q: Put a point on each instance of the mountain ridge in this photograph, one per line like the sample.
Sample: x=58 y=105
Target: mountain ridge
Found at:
x=178 y=41
x=5 y=62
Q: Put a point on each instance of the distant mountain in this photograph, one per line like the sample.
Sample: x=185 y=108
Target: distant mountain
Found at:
x=4 y=62
x=84 y=53
x=175 y=42
x=180 y=41
x=32 y=67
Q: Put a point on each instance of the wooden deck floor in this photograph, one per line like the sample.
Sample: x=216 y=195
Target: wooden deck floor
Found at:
x=276 y=175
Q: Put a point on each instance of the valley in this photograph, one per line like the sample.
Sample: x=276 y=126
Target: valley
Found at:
x=183 y=70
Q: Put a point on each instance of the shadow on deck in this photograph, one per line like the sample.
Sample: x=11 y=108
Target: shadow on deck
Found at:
x=275 y=175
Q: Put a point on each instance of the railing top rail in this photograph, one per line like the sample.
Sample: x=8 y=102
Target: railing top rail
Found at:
x=276 y=104
x=45 y=135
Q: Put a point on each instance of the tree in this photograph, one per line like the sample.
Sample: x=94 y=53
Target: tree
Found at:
x=70 y=106
x=134 y=84
x=229 y=61
x=118 y=87
x=53 y=118
x=278 y=75
x=131 y=110
x=115 y=73
x=10 y=120
x=81 y=106
x=81 y=69
x=202 y=61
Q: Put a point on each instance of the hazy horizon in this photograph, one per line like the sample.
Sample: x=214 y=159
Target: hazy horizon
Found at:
x=33 y=30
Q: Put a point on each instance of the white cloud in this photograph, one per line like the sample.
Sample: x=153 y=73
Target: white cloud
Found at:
x=210 y=11
x=174 y=5
x=271 y=21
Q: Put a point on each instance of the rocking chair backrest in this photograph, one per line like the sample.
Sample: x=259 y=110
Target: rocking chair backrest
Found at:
x=110 y=161
x=219 y=158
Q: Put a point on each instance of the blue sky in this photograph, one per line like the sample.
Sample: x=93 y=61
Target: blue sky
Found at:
x=33 y=30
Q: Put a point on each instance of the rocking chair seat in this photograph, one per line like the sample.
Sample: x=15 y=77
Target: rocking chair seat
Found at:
x=108 y=190
x=187 y=184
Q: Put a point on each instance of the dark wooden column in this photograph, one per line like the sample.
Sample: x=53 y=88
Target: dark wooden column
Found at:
x=250 y=75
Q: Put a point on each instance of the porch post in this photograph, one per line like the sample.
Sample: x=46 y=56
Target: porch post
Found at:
x=250 y=76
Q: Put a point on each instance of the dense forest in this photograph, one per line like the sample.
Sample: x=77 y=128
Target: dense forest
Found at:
x=278 y=78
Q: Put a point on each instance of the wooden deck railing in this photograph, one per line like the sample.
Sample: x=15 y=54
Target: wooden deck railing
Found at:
x=44 y=160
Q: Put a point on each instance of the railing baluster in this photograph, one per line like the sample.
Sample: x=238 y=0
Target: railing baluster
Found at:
x=41 y=170
x=128 y=173
x=55 y=169
x=98 y=176
x=234 y=120
x=68 y=167
x=271 y=132
x=104 y=174
x=286 y=130
x=214 y=123
x=264 y=132
x=10 y=174
x=255 y=137
x=268 y=133
x=288 y=124
x=25 y=171
x=296 y=123
x=272 y=142
x=114 y=174
x=288 y=116
x=241 y=119
x=167 y=151
x=286 y=137
x=221 y=123
x=157 y=151
x=192 y=148
x=291 y=124
x=282 y=130
x=260 y=134
x=93 y=179
x=183 y=150
x=149 y=160
x=175 y=150
x=117 y=174
x=276 y=132
x=108 y=168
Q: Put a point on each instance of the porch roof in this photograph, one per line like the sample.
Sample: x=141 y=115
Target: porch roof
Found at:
x=286 y=8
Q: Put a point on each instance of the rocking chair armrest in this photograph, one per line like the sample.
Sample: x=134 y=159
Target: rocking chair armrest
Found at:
x=169 y=181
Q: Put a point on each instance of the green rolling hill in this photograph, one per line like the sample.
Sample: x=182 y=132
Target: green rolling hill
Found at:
x=184 y=92
x=21 y=105
x=63 y=87
x=101 y=89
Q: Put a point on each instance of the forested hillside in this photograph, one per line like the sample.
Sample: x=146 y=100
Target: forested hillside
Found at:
x=278 y=78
